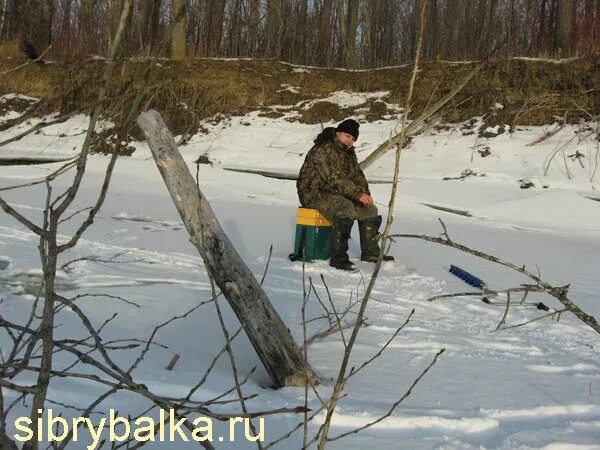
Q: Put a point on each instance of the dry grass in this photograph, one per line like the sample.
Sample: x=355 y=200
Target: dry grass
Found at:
x=10 y=49
x=532 y=92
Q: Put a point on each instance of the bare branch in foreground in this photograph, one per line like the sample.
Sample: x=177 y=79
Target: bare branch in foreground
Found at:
x=552 y=314
x=558 y=292
x=396 y=404
x=353 y=371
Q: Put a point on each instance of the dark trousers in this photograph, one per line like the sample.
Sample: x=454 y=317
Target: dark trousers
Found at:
x=336 y=206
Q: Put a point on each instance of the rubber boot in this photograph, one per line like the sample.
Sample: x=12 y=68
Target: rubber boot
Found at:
x=340 y=234
x=369 y=247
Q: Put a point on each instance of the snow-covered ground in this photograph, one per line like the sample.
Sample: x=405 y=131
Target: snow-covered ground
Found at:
x=532 y=387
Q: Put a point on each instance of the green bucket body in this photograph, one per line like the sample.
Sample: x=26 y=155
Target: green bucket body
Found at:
x=317 y=242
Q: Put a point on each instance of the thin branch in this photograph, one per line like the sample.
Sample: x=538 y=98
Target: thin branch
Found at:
x=69 y=217
x=547 y=135
x=38 y=127
x=15 y=387
x=304 y=349
x=294 y=429
x=232 y=362
x=560 y=292
x=69 y=165
x=353 y=372
x=20 y=218
x=554 y=313
x=395 y=405
x=505 y=315
x=92 y=214
x=336 y=315
x=458 y=294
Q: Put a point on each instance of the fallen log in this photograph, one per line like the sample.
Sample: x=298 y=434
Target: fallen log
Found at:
x=271 y=339
x=418 y=122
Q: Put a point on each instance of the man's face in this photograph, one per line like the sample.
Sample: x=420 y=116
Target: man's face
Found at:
x=345 y=138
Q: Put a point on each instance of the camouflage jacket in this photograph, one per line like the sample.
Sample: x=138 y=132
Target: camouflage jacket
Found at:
x=330 y=168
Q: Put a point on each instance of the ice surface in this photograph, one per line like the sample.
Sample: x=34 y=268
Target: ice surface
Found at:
x=532 y=387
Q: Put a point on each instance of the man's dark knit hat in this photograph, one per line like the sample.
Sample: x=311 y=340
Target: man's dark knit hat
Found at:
x=349 y=126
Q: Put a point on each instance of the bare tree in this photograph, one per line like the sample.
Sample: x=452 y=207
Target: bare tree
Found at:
x=86 y=25
x=324 y=34
x=215 y=17
x=563 y=39
x=431 y=49
x=45 y=18
x=115 y=8
x=178 y=36
x=301 y=43
x=597 y=27
x=149 y=23
x=273 y=27
x=351 y=25
x=253 y=22
x=450 y=29
x=235 y=41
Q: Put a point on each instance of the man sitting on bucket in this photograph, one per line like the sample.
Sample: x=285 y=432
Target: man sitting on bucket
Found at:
x=332 y=182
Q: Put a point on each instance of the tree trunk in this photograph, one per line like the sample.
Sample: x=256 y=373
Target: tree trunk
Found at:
x=466 y=42
x=351 y=27
x=216 y=10
x=65 y=30
x=268 y=334
x=414 y=28
x=587 y=33
x=541 y=45
x=341 y=33
x=368 y=34
x=150 y=18
x=390 y=35
x=46 y=15
x=526 y=45
x=274 y=22
x=450 y=25
x=85 y=26
x=597 y=27
x=33 y=22
x=253 y=27
x=287 y=35
x=511 y=28
x=235 y=30
x=3 y=18
x=563 y=42
x=302 y=38
x=178 y=46
x=483 y=44
x=114 y=17
x=114 y=14
x=432 y=52
x=371 y=30
x=324 y=34
x=6 y=443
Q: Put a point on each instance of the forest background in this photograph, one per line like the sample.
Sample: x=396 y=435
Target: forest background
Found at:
x=327 y=33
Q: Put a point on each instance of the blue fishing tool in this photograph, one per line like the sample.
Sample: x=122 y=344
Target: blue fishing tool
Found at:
x=467 y=277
